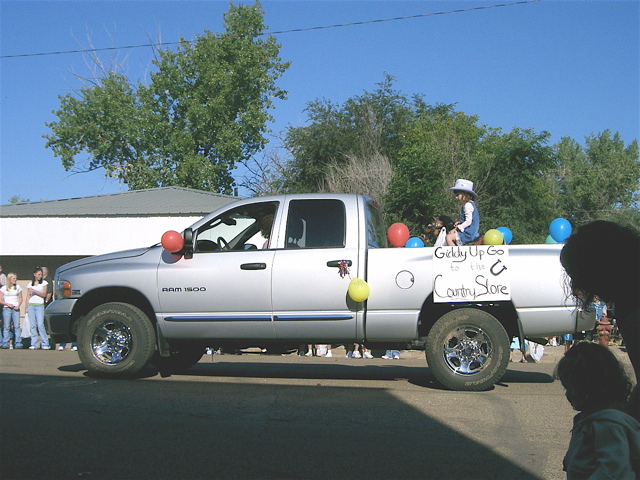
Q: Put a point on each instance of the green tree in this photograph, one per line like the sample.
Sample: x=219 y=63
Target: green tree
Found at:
x=18 y=199
x=523 y=182
x=438 y=147
x=512 y=177
x=205 y=108
x=598 y=181
x=336 y=131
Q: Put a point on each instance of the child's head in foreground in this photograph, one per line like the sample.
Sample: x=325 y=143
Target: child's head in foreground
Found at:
x=593 y=378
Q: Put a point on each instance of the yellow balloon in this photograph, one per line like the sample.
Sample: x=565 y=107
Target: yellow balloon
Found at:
x=493 y=237
x=358 y=290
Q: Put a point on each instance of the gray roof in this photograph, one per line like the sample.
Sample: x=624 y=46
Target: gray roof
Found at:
x=155 y=202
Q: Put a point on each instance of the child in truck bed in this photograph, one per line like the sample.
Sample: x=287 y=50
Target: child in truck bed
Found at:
x=468 y=228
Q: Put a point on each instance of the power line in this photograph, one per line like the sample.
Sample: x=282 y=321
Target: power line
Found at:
x=295 y=30
x=410 y=17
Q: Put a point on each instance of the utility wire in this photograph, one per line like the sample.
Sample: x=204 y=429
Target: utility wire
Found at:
x=296 y=30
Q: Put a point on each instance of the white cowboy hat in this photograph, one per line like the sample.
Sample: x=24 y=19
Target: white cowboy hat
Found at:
x=464 y=186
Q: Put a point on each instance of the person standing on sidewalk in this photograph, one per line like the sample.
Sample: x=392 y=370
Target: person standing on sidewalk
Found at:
x=395 y=354
x=11 y=300
x=36 y=296
x=366 y=353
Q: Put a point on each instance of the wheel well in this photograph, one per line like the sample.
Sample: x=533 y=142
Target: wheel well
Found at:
x=504 y=312
x=99 y=296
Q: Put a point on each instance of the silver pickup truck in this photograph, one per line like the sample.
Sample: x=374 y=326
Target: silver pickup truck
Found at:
x=274 y=272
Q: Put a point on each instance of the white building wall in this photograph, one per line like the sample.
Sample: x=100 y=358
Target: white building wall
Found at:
x=83 y=236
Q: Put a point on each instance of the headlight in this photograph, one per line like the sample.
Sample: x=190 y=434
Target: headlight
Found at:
x=62 y=289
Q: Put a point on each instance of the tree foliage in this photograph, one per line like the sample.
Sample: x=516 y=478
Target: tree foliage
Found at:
x=512 y=174
x=205 y=108
x=523 y=181
x=336 y=131
x=436 y=149
x=600 y=181
x=18 y=199
x=368 y=176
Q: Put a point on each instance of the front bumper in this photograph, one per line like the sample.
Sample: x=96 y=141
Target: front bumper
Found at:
x=58 y=317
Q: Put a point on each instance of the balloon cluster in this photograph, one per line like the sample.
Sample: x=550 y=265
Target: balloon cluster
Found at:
x=498 y=236
x=399 y=236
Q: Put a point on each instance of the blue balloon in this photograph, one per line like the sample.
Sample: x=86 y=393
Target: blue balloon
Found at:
x=506 y=233
x=414 y=242
x=560 y=229
x=550 y=240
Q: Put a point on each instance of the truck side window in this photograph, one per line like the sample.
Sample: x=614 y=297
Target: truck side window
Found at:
x=247 y=227
x=376 y=235
x=316 y=224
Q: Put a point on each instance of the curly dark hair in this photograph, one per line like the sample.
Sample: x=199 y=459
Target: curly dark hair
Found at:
x=600 y=247
x=592 y=374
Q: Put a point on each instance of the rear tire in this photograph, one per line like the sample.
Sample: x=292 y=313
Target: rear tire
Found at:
x=116 y=340
x=467 y=350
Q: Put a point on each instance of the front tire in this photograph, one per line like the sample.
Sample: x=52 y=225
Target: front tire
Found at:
x=116 y=340
x=467 y=350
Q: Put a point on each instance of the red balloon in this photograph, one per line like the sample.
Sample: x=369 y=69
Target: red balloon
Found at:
x=172 y=241
x=398 y=234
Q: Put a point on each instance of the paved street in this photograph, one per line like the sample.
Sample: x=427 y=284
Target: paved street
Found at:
x=275 y=417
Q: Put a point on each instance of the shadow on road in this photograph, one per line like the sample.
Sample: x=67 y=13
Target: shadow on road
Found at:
x=415 y=375
x=82 y=427
x=420 y=376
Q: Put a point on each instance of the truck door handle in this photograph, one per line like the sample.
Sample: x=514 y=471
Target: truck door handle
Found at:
x=253 y=266
x=336 y=263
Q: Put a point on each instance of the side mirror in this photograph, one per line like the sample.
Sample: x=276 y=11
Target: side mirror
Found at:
x=188 y=243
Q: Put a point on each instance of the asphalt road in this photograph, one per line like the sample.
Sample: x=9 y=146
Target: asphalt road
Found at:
x=278 y=417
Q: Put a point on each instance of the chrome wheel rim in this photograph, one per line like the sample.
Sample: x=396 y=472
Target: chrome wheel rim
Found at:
x=467 y=350
x=111 y=342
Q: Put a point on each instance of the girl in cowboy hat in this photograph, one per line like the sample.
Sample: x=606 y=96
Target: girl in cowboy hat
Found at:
x=468 y=228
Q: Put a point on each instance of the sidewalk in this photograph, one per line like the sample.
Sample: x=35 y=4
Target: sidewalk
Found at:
x=551 y=354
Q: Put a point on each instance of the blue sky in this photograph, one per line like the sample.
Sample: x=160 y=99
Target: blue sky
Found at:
x=568 y=67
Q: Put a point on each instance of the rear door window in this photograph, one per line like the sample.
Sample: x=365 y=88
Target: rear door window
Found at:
x=316 y=224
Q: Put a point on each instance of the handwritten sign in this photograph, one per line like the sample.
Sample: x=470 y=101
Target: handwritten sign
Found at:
x=476 y=273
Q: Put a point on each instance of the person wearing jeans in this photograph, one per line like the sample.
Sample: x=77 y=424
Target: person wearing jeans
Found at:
x=37 y=289
x=395 y=354
x=11 y=299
